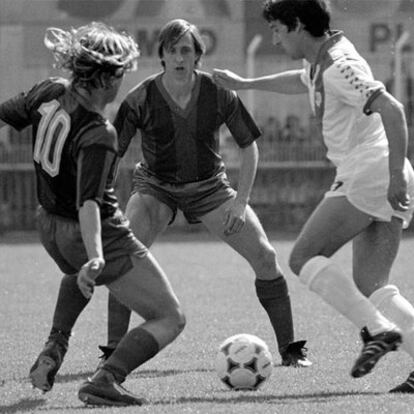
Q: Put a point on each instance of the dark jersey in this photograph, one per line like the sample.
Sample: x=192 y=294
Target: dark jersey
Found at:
x=74 y=148
x=182 y=145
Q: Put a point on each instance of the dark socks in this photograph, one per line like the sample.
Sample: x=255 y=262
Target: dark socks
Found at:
x=137 y=347
x=69 y=305
x=118 y=321
x=274 y=297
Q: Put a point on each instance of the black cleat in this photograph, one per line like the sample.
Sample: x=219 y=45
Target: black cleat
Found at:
x=295 y=355
x=107 y=392
x=407 y=387
x=43 y=372
x=373 y=349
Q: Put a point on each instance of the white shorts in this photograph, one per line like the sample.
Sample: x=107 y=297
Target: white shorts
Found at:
x=365 y=185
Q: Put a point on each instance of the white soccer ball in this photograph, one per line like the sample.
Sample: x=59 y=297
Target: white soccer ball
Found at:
x=244 y=362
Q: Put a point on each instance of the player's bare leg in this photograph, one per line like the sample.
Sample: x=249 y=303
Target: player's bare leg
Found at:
x=148 y=218
x=69 y=305
x=147 y=291
x=374 y=253
x=334 y=222
x=252 y=243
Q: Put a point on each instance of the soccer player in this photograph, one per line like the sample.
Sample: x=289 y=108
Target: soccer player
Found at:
x=80 y=224
x=179 y=112
x=371 y=200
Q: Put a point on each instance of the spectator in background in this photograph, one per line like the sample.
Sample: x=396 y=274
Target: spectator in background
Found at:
x=271 y=131
x=268 y=144
x=293 y=131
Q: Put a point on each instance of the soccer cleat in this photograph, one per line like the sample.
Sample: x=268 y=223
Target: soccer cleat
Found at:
x=295 y=355
x=43 y=372
x=107 y=392
x=373 y=349
x=407 y=386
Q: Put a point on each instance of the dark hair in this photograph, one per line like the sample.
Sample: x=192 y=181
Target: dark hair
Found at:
x=313 y=14
x=92 y=50
x=173 y=31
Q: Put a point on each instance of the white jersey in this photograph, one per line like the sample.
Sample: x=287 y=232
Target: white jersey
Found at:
x=341 y=89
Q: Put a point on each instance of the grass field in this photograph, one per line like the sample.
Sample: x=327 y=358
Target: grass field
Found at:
x=216 y=289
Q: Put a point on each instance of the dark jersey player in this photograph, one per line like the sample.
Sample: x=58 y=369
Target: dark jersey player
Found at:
x=178 y=113
x=81 y=226
x=65 y=126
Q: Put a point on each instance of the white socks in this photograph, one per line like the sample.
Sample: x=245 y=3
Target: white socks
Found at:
x=397 y=309
x=325 y=278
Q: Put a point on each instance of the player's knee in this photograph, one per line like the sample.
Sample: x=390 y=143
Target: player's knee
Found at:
x=266 y=260
x=178 y=320
x=132 y=207
x=182 y=321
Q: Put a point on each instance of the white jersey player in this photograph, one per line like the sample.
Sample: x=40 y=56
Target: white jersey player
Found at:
x=372 y=198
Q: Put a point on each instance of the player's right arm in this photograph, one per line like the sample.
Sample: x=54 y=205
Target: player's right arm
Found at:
x=129 y=117
x=288 y=82
x=125 y=125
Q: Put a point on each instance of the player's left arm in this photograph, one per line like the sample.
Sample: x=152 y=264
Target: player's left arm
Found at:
x=95 y=167
x=236 y=215
x=90 y=225
x=395 y=125
x=244 y=131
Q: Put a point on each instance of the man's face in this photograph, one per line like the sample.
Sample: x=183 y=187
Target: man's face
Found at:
x=180 y=58
x=289 y=41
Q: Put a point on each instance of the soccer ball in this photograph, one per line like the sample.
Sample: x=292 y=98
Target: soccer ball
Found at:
x=244 y=362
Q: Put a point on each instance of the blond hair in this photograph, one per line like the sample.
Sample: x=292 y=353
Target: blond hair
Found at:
x=91 y=50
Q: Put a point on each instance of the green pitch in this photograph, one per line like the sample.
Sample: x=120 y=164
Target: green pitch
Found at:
x=216 y=289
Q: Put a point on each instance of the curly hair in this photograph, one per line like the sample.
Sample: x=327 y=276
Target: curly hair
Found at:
x=91 y=50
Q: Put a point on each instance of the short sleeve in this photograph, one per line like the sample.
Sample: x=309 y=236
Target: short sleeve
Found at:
x=20 y=110
x=128 y=119
x=95 y=170
x=14 y=112
x=238 y=120
x=352 y=83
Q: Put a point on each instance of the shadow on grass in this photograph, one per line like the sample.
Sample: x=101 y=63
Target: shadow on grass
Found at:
x=25 y=404
x=149 y=373
x=270 y=399
x=29 y=405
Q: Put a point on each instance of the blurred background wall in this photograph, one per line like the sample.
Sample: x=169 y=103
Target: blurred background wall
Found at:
x=293 y=171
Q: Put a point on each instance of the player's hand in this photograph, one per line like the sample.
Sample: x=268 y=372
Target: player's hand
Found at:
x=397 y=191
x=228 y=79
x=234 y=218
x=87 y=275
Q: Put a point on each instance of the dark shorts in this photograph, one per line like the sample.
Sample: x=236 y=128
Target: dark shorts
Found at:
x=194 y=199
x=62 y=239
